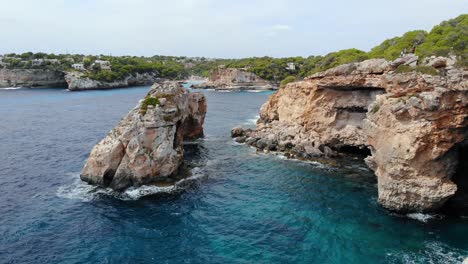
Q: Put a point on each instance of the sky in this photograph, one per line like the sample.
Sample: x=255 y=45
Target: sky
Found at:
x=213 y=28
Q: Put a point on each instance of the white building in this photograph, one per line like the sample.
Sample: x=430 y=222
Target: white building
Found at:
x=291 y=66
x=78 y=66
x=105 y=65
x=37 y=62
x=69 y=59
x=53 y=61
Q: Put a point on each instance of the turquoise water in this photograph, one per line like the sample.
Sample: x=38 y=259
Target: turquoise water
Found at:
x=245 y=207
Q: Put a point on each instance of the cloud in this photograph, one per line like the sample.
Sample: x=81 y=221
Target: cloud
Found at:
x=277 y=30
x=281 y=28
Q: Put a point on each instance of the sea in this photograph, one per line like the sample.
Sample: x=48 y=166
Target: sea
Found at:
x=240 y=206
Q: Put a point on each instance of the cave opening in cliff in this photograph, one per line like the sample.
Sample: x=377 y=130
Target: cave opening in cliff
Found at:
x=458 y=204
x=359 y=151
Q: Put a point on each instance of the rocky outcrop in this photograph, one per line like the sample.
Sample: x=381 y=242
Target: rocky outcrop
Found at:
x=235 y=79
x=31 y=78
x=77 y=81
x=415 y=126
x=146 y=146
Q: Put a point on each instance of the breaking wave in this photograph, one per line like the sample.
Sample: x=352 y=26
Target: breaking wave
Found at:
x=11 y=88
x=252 y=121
x=79 y=190
x=255 y=91
x=423 y=217
x=432 y=252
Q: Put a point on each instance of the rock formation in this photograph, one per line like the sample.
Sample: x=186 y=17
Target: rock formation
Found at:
x=146 y=146
x=77 y=81
x=31 y=78
x=235 y=79
x=414 y=124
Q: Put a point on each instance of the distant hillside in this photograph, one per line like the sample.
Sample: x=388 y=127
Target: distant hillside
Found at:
x=449 y=37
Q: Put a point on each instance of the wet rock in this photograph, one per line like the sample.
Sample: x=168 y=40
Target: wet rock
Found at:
x=329 y=153
x=237 y=132
x=240 y=139
x=251 y=141
x=261 y=144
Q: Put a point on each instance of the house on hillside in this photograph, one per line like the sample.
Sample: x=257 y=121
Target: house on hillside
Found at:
x=105 y=65
x=53 y=61
x=37 y=62
x=78 y=66
x=291 y=66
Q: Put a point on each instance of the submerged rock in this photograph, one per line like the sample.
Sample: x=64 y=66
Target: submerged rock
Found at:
x=415 y=126
x=146 y=146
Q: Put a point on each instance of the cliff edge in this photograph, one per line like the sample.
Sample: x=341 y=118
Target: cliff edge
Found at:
x=78 y=81
x=414 y=124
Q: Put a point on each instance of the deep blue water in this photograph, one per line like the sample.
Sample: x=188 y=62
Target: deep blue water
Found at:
x=246 y=207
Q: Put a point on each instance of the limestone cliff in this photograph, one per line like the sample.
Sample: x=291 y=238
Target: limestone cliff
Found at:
x=77 y=81
x=235 y=79
x=146 y=146
x=31 y=78
x=414 y=124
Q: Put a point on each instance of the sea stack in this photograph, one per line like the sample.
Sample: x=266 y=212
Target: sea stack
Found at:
x=412 y=119
x=146 y=146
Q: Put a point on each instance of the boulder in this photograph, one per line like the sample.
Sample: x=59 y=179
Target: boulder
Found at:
x=146 y=145
x=240 y=139
x=407 y=59
x=237 y=132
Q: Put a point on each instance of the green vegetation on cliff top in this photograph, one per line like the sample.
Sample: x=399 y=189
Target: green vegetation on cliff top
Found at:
x=449 y=37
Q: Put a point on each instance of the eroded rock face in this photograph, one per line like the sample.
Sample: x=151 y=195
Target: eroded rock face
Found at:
x=77 y=82
x=413 y=139
x=414 y=125
x=235 y=79
x=31 y=78
x=146 y=146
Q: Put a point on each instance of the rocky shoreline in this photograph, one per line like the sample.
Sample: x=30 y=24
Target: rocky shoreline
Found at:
x=235 y=80
x=31 y=78
x=413 y=126
x=73 y=81
x=76 y=81
x=146 y=146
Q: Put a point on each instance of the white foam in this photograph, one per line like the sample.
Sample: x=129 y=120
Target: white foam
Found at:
x=255 y=91
x=225 y=91
x=252 y=121
x=11 y=88
x=421 y=217
x=80 y=190
x=432 y=252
